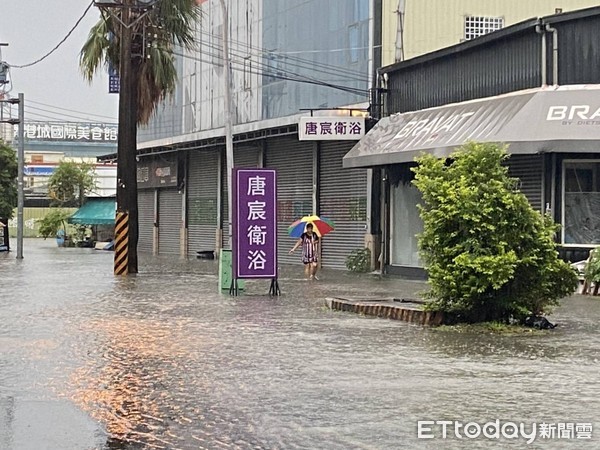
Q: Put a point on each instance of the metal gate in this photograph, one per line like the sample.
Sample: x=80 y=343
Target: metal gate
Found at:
x=244 y=156
x=169 y=221
x=343 y=199
x=145 y=219
x=202 y=187
x=293 y=161
x=528 y=169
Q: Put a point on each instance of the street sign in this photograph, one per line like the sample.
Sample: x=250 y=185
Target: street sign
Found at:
x=254 y=223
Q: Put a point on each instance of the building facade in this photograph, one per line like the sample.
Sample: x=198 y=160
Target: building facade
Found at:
x=533 y=86
x=414 y=27
x=289 y=60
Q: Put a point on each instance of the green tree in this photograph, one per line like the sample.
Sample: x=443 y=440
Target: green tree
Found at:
x=70 y=182
x=8 y=181
x=121 y=39
x=488 y=253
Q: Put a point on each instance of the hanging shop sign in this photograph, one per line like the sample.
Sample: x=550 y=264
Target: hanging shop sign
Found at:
x=331 y=128
x=254 y=223
x=156 y=173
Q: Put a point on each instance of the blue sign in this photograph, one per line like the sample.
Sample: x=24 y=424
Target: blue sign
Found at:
x=38 y=170
x=114 y=83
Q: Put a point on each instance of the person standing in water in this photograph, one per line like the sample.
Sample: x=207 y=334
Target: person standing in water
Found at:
x=310 y=251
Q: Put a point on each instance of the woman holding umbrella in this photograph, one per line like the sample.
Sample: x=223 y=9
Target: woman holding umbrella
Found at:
x=310 y=251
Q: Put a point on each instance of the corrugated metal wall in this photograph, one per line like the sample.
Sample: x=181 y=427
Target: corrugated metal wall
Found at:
x=578 y=51
x=343 y=199
x=502 y=66
x=202 y=185
x=502 y=62
x=293 y=161
x=244 y=155
x=145 y=219
x=169 y=221
x=529 y=170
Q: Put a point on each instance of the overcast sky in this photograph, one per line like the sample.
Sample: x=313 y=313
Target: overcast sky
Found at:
x=32 y=28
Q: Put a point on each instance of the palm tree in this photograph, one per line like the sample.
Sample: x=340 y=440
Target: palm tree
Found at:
x=147 y=77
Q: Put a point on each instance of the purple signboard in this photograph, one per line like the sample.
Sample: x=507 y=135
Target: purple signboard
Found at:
x=254 y=223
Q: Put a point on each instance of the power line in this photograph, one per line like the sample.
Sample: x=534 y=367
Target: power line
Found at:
x=261 y=51
x=294 y=76
x=312 y=67
x=59 y=44
x=72 y=110
x=58 y=114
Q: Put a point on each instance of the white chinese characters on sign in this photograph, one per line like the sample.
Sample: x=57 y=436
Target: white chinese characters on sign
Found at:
x=70 y=132
x=256 y=210
x=256 y=232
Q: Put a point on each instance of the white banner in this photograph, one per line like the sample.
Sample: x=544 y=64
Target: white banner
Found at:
x=331 y=128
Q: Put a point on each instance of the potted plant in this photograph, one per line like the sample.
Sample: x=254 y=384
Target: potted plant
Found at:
x=54 y=224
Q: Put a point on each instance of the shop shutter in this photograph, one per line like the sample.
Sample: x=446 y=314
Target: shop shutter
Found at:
x=202 y=186
x=293 y=161
x=343 y=199
x=169 y=221
x=244 y=156
x=145 y=219
x=528 y=169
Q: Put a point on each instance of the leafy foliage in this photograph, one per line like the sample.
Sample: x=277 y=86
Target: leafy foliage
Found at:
x=170 y=23
x=54 y=221
x=359 y=260
x=488 y=254
x=592 y=268
x=70 y=182
x=8 y=181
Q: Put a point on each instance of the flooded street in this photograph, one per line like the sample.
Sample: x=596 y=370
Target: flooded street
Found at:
x=162 y=360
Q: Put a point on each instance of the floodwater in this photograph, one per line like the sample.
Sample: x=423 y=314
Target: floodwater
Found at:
x=161 y=360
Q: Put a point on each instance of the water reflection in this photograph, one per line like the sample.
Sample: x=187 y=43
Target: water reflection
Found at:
x=161 y=360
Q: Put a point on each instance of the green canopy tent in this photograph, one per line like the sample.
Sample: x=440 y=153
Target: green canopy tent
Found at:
x=95 y=211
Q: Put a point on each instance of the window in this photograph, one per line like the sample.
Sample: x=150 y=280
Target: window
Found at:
x=581 y=203
x=476 y=26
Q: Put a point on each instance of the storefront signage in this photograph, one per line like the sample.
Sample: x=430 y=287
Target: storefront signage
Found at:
x=156 y=173
x=79 y=132
x=580 y=114
x=254 y=223
x=331 y=128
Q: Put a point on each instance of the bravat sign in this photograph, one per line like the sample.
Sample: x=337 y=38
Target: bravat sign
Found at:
x=254 y=223
x=577 y=112
x=331 y=128
x=433 y=126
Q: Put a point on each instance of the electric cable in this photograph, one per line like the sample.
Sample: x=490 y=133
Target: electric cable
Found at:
x=59 y=44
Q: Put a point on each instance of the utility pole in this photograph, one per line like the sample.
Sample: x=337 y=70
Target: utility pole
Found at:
x=21 y=162
x=127 y=142
x=228 y=119
x=127 y=138
x=21 y=166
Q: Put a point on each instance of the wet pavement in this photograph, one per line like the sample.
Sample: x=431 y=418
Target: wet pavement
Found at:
x=163 y=361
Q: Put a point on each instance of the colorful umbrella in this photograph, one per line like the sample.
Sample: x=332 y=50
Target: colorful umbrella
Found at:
x=321 y=226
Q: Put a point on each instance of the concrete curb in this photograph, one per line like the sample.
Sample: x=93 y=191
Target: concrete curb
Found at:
x=388 y=309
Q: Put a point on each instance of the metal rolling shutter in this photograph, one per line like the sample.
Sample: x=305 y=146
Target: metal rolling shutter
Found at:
x=145 y=219
x=293 y=161
x=343 y=199
x=169 y=221
x=244 y=156
x=202 y=188
x=528 y=169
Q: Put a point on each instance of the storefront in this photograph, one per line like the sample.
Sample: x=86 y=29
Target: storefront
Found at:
x=552 y=136
x=159 y=204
